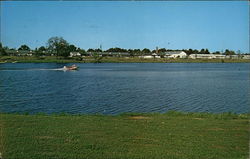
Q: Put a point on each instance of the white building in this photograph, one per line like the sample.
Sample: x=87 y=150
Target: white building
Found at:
x=202 y=56
x=219 y=56
x=175 y=54
x=246 y=57
x=232 y=56
x=154 y=55
x=73 y=54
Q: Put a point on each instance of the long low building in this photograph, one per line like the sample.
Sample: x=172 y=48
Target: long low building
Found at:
x=247 y=57
x=175 y=54
x=217 y=56
x=206 y=56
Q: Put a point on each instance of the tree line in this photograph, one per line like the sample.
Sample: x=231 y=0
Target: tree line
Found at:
x=60 y=47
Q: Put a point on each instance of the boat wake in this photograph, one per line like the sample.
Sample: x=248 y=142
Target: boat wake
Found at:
x=33 y=69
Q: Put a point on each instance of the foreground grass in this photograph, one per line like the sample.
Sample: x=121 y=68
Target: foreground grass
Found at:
x=169 y=136
x=33 y=59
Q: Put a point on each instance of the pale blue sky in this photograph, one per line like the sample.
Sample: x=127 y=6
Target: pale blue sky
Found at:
x=128 y=24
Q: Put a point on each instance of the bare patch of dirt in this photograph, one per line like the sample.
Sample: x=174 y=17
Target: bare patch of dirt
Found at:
x=139 y=117
x=198 y=118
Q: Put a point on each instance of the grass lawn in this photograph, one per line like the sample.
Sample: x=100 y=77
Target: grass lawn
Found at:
x=129 y=136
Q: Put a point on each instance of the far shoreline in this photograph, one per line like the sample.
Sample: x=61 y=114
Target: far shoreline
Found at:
x=53 y=59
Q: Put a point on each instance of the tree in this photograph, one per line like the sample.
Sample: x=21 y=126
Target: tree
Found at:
x=42 y=49
x=72 y=48
x=90 y=50
x=59 y=46
x=97 y=58
x=2 y=50
x=195 y=51
x=131 y=52
x=146 y=51
x=81 y=51
x=216 y=52
x=189 y=51
x=229 y=52
x=202 y=51
x=97 y=50
x=161 y=50
x=24 y=47
x=116 y=50
x=137 y=51
x=207 y=51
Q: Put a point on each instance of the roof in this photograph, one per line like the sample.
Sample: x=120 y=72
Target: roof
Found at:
x=173 y=52
x=110 y=53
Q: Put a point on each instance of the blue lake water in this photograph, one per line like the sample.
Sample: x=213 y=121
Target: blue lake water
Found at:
x=111 y=88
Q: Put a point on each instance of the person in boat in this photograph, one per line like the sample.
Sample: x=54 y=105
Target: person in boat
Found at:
x=73 y=67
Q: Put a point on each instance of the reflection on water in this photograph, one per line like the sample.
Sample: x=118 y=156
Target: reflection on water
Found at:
x=116 y=88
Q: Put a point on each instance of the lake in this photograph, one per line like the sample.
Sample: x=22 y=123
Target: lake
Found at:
x=114 y=88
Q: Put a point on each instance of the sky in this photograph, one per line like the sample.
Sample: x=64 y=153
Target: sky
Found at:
x=216 y=25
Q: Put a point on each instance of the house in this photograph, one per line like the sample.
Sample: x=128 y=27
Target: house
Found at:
x=74 y=54
x=154 y=55
x=232 y=56
x=110 y=54
x=219 y=56
x=246 y=57
x=115 y=54
x=175 y=54
x=202 y=56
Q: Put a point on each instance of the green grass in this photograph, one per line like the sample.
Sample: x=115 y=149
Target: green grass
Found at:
x=128 y=136
x=34 y=59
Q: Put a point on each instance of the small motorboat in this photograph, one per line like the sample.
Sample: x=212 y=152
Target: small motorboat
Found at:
x=73 y=67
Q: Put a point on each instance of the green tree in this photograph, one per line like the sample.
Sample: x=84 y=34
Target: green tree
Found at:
x=116 y=50
x=97 y=50
x=195 y=51
x=42 y=49
x=59 y=46
x=137 y=52
x=229 y=52
x=161 y=50
x=97 y=58
x=206 y=51
x=2 y=50
x=202 y=51
x=131 y=52
x=146 y=51
x=24 y=47
x=81 y=51
x=90 y=50
x=189 y=51
x=216 y=52
x=72 y=48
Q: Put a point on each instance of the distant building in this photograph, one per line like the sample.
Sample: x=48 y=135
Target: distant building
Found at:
x=111 y=54
x=246 y=57
x=175 y=54
x=74 y=54
x=154 y=55
x=219 y=56
x=202 y=56
x=233 y=57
